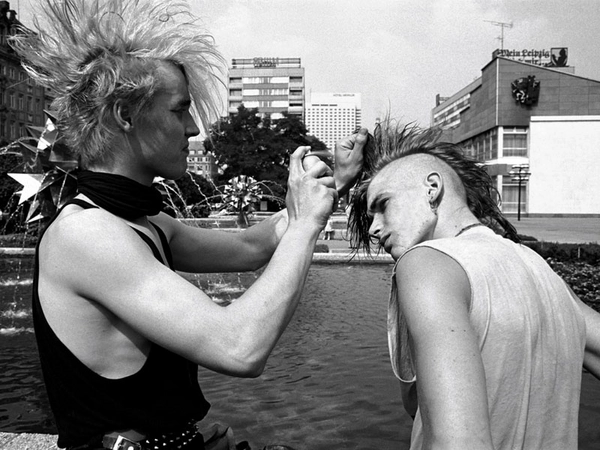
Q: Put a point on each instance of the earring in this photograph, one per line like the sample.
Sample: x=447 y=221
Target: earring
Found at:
x=433 y=206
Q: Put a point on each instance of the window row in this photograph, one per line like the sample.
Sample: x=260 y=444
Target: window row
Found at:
x=512 y=199
x=11 y=130
x=15 y=74
x=21 y=102
x=254 y=92
x=4 y=33
x=261 y=80
x=484 y=147
x=263 y=104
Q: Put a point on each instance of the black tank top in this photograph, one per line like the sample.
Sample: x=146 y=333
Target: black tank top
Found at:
x=163 y=396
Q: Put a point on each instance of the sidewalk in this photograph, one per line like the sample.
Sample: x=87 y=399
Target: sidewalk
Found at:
x=571 y=230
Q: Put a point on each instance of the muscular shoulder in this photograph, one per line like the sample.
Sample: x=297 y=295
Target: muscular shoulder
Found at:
x=427 y=261
x=424 y=273
x=77 y=230
x=89 y=247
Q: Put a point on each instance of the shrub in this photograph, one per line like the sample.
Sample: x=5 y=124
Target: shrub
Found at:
x=588 y=253
x=527 y=238
x=321 y=248
x=582 y=277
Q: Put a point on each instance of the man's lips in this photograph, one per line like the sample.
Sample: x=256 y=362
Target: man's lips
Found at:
x=382 y=243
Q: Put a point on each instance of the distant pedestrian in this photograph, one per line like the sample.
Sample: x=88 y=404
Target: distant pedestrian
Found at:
x=329 y=232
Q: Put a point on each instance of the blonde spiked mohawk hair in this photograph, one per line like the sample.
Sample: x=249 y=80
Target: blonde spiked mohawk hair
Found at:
x=90 y=53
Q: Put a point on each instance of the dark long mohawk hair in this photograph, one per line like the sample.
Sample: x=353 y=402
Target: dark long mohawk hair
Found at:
x=391 y=141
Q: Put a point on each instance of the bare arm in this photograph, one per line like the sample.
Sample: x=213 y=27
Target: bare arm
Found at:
x=116 y=270
x=591 y=358
x=201 y=250
x=434 y=296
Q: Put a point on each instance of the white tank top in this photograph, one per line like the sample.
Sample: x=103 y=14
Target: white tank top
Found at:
x=531 y=337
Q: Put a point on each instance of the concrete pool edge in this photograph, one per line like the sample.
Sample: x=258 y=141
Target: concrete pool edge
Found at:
x=16 y=251
x=331 y=258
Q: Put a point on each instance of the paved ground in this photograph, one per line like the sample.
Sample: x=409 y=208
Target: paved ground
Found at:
x=560 y=229
x=27 y=441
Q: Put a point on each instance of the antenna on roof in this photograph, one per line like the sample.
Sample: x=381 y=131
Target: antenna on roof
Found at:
x=502 y=25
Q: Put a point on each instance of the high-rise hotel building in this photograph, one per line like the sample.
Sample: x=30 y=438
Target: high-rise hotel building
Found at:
x=273 y=85
x=332 y=116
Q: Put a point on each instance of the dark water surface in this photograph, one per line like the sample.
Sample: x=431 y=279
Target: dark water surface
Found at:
x=328 y=383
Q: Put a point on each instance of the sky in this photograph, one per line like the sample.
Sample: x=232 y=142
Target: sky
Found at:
x=397 y=53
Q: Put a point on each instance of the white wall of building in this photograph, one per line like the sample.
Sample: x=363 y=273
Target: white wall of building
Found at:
x=564 y=158
x=332 y=116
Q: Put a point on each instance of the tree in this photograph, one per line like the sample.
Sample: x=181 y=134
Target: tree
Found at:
x=246 y=144
x=190 y=195
x=195 y=188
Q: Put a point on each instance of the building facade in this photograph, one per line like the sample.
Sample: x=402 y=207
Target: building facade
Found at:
x=22 y=103
x=200 y=162
x=332 y=116
x=273 y=85
x=539 y=117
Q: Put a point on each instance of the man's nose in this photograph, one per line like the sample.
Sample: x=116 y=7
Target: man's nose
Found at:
x=191 y=126
x=375 y=229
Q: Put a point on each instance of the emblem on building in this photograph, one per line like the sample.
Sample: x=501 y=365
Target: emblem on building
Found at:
x=559 y=57
x=526 y=90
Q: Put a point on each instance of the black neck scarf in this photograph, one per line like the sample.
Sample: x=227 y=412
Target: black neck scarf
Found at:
x=119 y=195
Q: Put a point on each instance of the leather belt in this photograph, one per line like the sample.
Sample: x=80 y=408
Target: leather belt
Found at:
x=124 y=440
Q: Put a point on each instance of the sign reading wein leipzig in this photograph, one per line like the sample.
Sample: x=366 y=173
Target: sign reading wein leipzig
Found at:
x=555 y=57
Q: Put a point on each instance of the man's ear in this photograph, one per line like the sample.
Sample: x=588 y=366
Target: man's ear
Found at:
x=434 y=183
x=122 y=116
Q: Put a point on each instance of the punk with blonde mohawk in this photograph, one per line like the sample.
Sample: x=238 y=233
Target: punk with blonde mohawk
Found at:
x=90 y=53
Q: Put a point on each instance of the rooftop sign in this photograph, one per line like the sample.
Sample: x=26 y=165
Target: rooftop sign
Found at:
x=263 y=61
x=555 y=57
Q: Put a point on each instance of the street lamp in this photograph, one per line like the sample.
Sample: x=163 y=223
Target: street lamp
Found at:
x=521 y=174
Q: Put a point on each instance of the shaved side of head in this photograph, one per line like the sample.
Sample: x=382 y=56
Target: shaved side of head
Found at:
x=413 y=170
x=408 y=154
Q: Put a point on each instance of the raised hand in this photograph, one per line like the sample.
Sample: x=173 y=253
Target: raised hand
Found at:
x=349 y=160
x=311 y=189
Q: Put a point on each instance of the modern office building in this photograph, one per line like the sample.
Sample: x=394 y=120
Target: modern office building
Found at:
x=332 y=116
x=273 y=85
x=22 y=103
x=536 y=117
